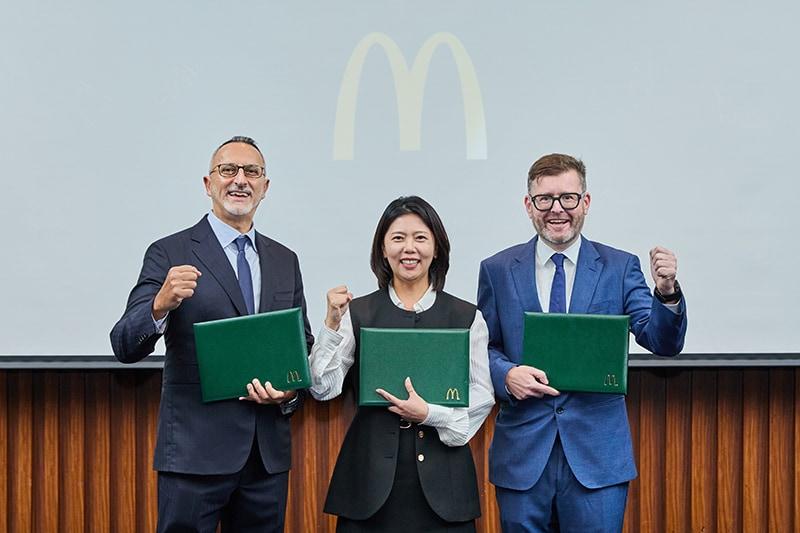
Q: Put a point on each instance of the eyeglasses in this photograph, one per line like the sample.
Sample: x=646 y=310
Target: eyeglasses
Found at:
x=229 y=170
x=568 y=201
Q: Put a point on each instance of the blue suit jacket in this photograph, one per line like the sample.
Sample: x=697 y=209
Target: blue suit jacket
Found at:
x=196 y=437
x=593 y=428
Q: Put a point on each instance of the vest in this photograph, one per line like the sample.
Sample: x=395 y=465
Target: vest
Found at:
x=365 y=469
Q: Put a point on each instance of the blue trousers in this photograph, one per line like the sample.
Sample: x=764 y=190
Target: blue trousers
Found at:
x=559 y=503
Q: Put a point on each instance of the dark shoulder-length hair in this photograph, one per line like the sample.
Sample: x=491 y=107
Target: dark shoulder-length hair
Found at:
x=411 y=205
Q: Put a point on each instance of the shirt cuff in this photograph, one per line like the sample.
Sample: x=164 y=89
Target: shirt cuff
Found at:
x=438 y=415
x=329 y=339
x=161 y=325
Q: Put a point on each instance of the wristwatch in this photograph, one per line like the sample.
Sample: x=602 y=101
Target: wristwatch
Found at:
x=669 y=298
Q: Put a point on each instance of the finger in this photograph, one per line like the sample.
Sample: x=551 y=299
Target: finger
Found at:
x=540 y=375
x=272 y=392
x=410 y=387
x=545 y=389
x=185 y=269
x=181 y=295
x=259 y=389
x=388 y=397
x=657 y=250
x=396 y=410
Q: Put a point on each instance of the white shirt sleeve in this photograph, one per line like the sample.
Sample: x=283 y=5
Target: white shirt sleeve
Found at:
x=161 y=325
x=331 y=357
x=456 y=425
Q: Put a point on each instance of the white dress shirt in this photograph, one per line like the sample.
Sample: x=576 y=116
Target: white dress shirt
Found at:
x=334 y=353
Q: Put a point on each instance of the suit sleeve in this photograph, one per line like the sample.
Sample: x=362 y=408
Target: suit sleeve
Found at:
x=299 y=300
x=134 y=336
x=499 y=363
x=656 y=328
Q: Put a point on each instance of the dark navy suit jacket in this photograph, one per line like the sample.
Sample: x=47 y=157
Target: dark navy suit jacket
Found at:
x=217 y=437
x=593 y=428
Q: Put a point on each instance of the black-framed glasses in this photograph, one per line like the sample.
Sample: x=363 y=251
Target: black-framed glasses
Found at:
x=544 y=202
x=229 y=170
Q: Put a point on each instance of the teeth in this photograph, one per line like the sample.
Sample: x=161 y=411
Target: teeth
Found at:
x=410 y=261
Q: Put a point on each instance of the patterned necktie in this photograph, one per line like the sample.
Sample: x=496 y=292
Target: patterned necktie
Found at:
x=245 y=277
x=558 y=291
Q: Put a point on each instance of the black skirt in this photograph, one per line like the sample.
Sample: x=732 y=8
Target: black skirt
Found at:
x=406 y=510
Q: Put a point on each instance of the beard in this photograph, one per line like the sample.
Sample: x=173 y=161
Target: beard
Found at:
x=564 y=236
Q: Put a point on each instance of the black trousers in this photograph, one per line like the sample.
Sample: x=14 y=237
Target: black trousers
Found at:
x=251 y=500
x=406 y=510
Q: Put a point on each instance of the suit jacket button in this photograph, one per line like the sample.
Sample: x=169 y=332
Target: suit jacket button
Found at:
x=559 y=410
x=420 y=458
x=421 y=434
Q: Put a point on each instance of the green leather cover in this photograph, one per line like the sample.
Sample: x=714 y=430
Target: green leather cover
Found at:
x=584 y=353
x=268 y=346
x=436 y=360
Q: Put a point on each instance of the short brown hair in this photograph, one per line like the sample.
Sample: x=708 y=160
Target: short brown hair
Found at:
x=555 y=164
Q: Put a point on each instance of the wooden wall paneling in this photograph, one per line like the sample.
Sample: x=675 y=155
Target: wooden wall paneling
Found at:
x=633 y=402
x=480 y=442
x=97 y=451
x=46 y=458
x=123 y=452
x=72 y=444
x=678 y=451
x=704 y=447
x=755 y=422
x=148 y=395
x=729 y=450
x=20 y=452
x=781 y=459
x=652 y=436
x=3 y=452
x=304 y=480
x=796 y=448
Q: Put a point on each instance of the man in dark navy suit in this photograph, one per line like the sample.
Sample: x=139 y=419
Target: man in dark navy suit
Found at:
x=228 y=461
x=564 y=459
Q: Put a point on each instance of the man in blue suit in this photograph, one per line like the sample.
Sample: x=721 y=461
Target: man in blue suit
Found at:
x=562 y=461
x=222 y=462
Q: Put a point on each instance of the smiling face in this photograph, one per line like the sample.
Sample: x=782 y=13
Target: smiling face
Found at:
x=236 y=199
x=409 y=247
x=558 y=227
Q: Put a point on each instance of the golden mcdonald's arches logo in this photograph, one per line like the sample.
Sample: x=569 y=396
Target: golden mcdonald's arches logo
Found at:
x=610 y=381
x=452 y=394
x=292 y=376
x=409 y=87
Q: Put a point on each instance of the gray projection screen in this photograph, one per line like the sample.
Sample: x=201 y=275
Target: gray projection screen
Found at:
x=686 y=115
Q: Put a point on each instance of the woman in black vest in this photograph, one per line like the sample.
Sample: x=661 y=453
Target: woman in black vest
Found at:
x=406 y=468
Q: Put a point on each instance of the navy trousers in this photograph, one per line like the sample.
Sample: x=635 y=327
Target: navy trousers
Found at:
x=251 y=500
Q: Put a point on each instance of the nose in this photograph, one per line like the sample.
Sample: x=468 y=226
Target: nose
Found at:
x=408 y=245
x=557 y=207
x=239 y=178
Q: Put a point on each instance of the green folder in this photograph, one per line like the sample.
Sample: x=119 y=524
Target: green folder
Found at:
x=436 y=360
x=584 y=353
x=268 y=346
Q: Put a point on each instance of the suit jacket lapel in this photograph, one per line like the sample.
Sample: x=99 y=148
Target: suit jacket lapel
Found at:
x=268 y=279
x=523 y=270
x=207 y=249
x=587 y=274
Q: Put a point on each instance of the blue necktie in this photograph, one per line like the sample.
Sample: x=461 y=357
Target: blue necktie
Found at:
x=245 y=277
x=558 y=292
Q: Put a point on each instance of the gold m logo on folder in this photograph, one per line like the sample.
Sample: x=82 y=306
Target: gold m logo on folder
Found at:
x=409 y=86
x=292 y=376
x=452 y=394
x=610 y=381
